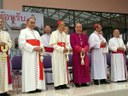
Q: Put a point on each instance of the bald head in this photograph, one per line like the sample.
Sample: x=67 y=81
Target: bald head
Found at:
x=31 y=23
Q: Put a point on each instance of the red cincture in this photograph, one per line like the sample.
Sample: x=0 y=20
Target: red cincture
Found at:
x=62 y=44
x=48 y=49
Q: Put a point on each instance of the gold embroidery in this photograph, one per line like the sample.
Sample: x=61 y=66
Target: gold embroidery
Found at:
x=4 y=50
x=4 y=58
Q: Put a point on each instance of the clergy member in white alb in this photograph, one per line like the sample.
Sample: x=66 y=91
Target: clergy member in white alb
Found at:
x=33 y=79
x=59 y=43
x=45 y=39
x=118 y=60
x=48 y=49
x=5 y=72
x=98 y=47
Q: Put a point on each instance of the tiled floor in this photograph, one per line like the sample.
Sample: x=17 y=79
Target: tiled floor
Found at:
x=113 y=89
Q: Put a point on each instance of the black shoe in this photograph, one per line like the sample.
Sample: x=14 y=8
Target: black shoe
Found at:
x=122 y=81
x=84 y=85
x=32 y=91
x=8 y=94
x=64 y=87
x=58 y=88
x=37 y=90
x=96 y=82
x=77 y=85
x=5 y=94
x=104 y=81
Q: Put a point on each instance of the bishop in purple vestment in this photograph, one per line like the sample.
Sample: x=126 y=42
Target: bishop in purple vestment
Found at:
x=79 y=43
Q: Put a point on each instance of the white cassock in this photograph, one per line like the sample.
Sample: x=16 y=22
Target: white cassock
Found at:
x=4 y=84
x=98 y=56
x=45 y=39
x=59 y=65
x=118 y=61
x=30 y=64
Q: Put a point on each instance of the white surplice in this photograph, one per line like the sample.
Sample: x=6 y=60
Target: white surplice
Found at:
x=30 y=64
x=118 y=63
x=4 y=84
x=59 y=65
x=98 y=56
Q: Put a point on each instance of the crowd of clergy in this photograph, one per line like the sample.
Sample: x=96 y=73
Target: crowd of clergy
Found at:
x=59 y=44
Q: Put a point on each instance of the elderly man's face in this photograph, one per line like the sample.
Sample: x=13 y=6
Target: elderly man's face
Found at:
x=31 y=23
x=78 y=28
x=99 y=28
x=1 y=23
x=62 y=26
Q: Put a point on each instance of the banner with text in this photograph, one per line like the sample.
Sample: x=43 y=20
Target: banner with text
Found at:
x=17 y=19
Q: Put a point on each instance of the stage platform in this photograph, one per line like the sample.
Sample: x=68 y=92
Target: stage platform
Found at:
x=113 y=89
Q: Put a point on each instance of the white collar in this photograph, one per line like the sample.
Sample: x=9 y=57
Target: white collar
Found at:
x=29 y=29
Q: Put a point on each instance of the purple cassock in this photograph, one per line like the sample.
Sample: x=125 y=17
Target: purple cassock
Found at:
x=81 y=72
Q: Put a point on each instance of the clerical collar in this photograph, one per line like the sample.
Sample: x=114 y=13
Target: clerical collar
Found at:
x=59 y=31
x=29 y=28
x=47 y=34
x=117 y=37
x=78 y=33
x=97 y=32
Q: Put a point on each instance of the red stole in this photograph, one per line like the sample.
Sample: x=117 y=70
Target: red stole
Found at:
x=35 y=42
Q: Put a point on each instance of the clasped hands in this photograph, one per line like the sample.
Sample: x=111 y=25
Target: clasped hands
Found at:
x=2 y=43
x=120 y=48
x=65 y=50
x=38 y=49
x=103 y=44
x=85 y=49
